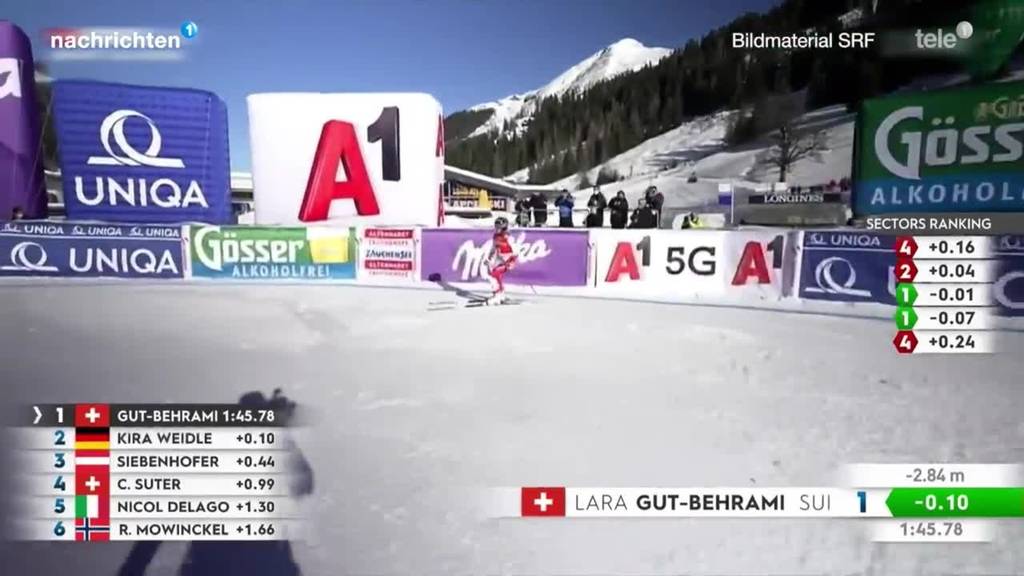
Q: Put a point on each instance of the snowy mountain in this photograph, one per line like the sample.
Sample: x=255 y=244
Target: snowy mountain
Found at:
x=626 y=55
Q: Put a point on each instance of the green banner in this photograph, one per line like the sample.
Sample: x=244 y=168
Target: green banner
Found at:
x=258 y=253
x=956 y=150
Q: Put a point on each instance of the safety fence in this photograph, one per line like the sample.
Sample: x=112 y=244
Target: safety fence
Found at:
x=759 y=264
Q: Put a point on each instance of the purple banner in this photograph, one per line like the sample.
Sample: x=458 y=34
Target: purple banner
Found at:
x=21 y=156
x=546 y=258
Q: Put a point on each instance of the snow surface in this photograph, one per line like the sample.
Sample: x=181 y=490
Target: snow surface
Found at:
x=698 y=147
x=412 y=413
x=626 y=55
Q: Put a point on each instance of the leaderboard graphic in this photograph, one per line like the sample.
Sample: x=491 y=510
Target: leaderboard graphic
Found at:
x=900 y=502
x=944 y=295
x=101 y=472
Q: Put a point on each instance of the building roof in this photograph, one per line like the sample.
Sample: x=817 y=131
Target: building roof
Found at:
x=453 y=174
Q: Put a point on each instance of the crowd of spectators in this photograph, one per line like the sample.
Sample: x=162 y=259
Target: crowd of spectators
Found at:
x=532 y=210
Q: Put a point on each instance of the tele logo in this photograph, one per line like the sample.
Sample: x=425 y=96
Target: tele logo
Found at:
x=113 y=127
x=941 y=39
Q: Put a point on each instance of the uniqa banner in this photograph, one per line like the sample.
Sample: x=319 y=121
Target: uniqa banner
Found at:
x=259 y=253
x=1008 y=289
x=848 y=267
x=21 y=155
x=545 y=258
x=142 y=153
x=90 y=250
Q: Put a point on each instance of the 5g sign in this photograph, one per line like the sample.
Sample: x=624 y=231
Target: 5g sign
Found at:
x=664 y=262
x=347 y=158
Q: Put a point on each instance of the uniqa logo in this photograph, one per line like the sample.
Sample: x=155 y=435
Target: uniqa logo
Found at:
x=944 y=145
x=1011 y=244
x=473 y=259
x=1000 y=289
x=122 y=260
x=825 y=278
x=113 y=126
x=10 y=73
x=23 y=260
x=214 y=250
x=140 y=192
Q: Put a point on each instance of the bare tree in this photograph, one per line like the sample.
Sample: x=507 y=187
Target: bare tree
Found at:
x=792 y=145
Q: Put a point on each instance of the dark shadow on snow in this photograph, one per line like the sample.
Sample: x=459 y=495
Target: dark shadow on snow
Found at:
x=237 y=558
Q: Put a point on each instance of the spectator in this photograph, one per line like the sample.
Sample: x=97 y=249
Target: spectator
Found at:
x=565 y=205
x=619 y=207
x=691 y=221
x=598 y=202
x=17 y=213
x=644 y=216
x=522 y=209
x=655 y=200
x=540 y=209
x=594 y=218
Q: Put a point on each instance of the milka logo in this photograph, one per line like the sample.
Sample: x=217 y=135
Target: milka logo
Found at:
x=944 y=145
x=10 y=78
x=113 y=126
x=473 y=259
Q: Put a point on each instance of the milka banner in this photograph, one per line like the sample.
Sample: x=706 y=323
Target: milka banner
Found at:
x=545 y=258
x=21 y=162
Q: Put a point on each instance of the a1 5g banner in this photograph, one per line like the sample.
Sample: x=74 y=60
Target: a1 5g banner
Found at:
x=90 y=250
x=545 y=258
x=142 y=154
x=848 y=267
x=958 y=150
x=257 y=253
x=21 y=156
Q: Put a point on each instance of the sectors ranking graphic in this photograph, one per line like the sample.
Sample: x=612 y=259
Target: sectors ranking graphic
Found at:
x=96 y=472
x=943 y=295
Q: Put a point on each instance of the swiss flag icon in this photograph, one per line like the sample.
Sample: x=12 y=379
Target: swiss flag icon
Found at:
x=92 y=416
x=543 y=501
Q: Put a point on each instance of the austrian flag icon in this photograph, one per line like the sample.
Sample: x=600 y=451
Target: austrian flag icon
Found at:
x=543 y=501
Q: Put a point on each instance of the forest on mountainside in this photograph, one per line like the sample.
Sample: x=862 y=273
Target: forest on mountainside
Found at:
x=573 y=133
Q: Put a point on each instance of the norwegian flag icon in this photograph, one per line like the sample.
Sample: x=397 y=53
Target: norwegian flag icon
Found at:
x=543 y=501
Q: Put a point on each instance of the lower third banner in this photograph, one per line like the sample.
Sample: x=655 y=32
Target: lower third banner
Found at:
x=90 y=250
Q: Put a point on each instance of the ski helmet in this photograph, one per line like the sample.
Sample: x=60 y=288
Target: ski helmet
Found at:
x=501 y=223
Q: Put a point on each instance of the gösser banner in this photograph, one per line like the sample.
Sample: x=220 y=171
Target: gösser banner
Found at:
x=90 y=250
x=546 y=258
x=387 y=253
x=848 y=267
x=20 y=153
x=255 y=253
x=1008 y=289
x=142 y=154
x=954 y=150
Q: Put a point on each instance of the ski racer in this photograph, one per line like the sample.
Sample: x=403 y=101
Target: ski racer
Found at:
x=501 y=259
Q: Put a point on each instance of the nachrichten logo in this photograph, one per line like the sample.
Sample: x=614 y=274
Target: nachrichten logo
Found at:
x=113 y=127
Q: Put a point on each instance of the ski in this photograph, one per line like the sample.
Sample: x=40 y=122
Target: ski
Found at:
x=474 y=303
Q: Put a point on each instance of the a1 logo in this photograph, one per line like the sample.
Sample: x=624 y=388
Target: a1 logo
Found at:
x=376 y=159
x=754 y=262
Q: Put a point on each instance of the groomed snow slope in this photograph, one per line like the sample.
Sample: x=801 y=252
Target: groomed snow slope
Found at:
x=412 y=412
